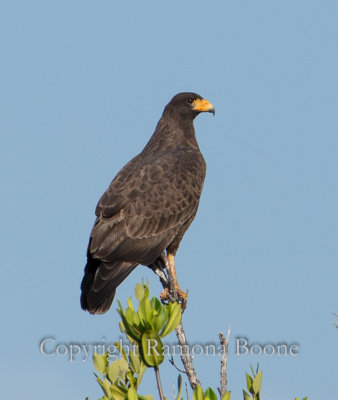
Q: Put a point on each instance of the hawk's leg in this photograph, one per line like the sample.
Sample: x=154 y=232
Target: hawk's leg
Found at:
x=158 y=267
x=181 y=296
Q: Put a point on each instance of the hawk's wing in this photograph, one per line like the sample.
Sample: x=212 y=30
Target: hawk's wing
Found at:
x=145 y=206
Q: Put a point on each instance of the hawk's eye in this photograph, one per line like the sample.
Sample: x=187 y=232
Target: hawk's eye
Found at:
x=190 y=100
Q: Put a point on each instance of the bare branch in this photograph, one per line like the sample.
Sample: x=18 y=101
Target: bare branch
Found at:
x=224 y=380
x=186 y=357
x=182 y=340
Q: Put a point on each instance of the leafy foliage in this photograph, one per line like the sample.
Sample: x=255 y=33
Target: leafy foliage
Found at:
x=144 y=329
x=209 y=394
x=151 y=322
x=253 y=384
x=120 y=376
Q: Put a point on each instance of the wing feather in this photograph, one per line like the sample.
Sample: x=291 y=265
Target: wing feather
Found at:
x=142 y=212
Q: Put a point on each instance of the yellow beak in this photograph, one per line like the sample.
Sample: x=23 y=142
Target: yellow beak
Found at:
x=203 y=105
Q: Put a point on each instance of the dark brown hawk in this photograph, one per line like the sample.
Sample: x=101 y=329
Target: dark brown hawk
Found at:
x=148 y=206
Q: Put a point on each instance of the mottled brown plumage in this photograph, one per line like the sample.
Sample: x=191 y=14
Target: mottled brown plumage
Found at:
x=148 y=206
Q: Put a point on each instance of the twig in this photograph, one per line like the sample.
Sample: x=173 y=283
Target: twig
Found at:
x=172 y=362
x=186 y=390
x=157 y=373
x=224 y=380
x=182 y=340
x=186 y=357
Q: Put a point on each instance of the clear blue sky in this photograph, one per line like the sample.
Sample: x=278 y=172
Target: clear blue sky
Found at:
x=82 y=86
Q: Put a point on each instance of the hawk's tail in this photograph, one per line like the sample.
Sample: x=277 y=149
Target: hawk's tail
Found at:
x=100 y=282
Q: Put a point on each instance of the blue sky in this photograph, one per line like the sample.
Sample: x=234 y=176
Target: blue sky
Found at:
x=83 y=84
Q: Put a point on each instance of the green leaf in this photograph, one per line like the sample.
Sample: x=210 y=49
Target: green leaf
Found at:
x=117 y=369
x=226 y=396
x=105 y=385
x=136 y=319
x=158 y=321
x=117 y=393
x=132 y=395
x=144 y=312
x=131 y=330
x=139 y=292
x=122 y=327
x=166 y=312
x=129 y=316
x=146 y=290
x=123 y=367
x=100 y=362
x=257 y=382
x=134 y=362
x=147 y=397
x=210 y=394
x=156 y=304
x=246 y=396
x=130 y=304
x=248 y=382
x=152 y=349
x=114 y=371
x=121 y=349
x=143 y=369
x=175 y=315
x=131 y=378
x=198 y=393
x=179 y=385
x=151 y=319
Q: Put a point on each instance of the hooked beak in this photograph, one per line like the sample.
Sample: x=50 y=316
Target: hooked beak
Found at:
x=203 y=105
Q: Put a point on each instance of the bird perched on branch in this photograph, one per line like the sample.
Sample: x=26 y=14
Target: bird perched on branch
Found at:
x=148 y=206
